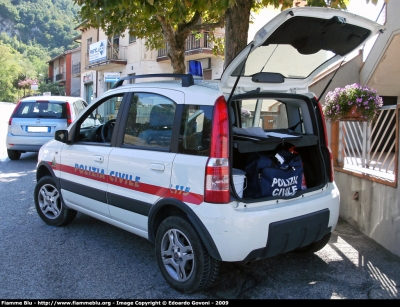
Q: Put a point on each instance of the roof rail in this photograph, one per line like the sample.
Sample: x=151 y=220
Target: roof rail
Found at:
x=187 y=79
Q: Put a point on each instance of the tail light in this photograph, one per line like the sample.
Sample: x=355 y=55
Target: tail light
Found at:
x=331 y=172
x=12 y=114
x=217 y=170
x=69 y=119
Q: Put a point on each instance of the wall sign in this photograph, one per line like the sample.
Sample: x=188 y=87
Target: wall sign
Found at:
x=87 y=78
x=97 y=51
x=111 y=76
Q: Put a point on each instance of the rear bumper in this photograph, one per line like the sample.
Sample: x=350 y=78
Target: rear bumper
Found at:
x=266 y=229
x=287 y=235
x=25 y=143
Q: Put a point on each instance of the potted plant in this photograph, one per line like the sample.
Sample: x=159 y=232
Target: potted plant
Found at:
x=353 y=102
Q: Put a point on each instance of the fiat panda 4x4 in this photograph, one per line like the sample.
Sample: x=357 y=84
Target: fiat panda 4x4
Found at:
x=170 y=159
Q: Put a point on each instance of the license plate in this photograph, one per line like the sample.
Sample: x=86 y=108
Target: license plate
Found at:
x=38 y=129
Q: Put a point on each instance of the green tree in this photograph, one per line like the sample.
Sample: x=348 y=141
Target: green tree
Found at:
x=158 y=21
x=10 y=67
x=51 y=87
x=37 y=55
x=236 y=32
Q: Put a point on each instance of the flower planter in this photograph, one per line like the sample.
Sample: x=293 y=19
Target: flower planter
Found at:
x=354 y=115
x=352 y=103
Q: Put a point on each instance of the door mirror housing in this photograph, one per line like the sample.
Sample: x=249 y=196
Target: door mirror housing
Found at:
x=61 y=136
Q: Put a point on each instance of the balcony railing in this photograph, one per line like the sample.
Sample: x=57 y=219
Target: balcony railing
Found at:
x=371 y=148
x=192 y=43
x=114 y=54
x=60 y=77
x=76 y=68
x=77 y=93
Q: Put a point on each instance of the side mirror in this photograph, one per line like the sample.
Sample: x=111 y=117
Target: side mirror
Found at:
x=61 y=136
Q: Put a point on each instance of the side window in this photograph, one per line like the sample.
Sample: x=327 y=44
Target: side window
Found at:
x=75 y=106
x=88 y=43
x=150 y=121
x=195 y=130
x=132 y=39
x=98 y=125
x=79 y=106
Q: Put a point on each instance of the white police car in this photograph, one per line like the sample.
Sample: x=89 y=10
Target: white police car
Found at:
x=172 y=161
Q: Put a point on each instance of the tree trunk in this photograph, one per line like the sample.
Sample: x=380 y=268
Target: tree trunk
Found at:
x=176 y=52
x=236 y=28
x=176 y=41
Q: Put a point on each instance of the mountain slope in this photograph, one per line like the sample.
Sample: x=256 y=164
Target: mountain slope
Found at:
x=49 y=23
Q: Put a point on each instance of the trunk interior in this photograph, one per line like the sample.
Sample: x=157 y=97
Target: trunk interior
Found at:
x=289 y=122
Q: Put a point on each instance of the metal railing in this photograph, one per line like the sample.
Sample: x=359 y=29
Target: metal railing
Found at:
x=76 y=68
x=192 y=43
x=60 y=77
x=113 y=53
x=77 y=93
x=371 y=148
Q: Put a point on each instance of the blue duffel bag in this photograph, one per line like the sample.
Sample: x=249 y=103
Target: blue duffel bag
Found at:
x=278 y=175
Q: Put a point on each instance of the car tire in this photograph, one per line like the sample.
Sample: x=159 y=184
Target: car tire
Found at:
x=182 y=257
x=316 y=246
x=13 y=154
x=49 y=204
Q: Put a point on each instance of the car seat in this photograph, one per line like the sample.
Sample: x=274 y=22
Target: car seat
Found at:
x=160 y=126
x=43 y=107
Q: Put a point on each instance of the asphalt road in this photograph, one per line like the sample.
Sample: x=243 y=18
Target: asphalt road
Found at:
x=89 y=259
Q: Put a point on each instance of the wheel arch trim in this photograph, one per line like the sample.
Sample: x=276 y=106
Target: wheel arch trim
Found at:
x=193 y=218
x=39 y=172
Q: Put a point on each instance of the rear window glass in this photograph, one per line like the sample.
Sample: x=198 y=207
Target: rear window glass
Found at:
x=264 y=113
x=41 y=109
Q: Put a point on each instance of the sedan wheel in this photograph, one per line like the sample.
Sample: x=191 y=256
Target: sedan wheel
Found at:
x=13 y=154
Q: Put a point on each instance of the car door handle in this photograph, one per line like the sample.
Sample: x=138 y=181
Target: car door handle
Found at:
x=157 y=166
x=98 y=158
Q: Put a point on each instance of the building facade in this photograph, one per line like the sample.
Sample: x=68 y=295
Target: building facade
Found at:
x=105 y=59
x=63 y=71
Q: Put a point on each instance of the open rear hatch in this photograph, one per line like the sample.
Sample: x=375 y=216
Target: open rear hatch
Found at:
x=267 y=84
x=295 y=46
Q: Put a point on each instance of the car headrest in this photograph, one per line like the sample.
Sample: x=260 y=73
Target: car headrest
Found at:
x=162 y=115
x=43 y=106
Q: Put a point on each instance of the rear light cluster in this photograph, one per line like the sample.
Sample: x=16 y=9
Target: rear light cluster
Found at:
x=217 y=170
x=12 y=114
x=69 y=119
x=331 y=172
